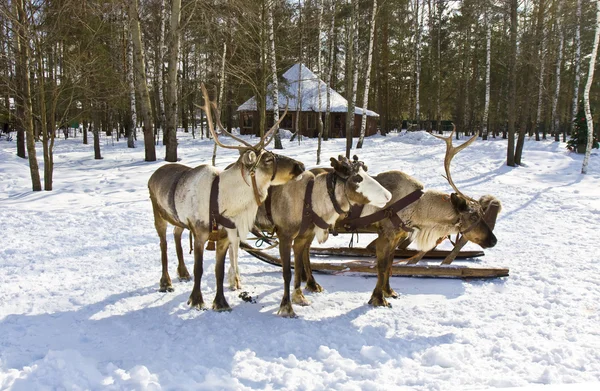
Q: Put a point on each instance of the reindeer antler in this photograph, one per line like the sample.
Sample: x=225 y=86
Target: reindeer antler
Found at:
x=271 y=132
x=207 y=109
x=451 y=151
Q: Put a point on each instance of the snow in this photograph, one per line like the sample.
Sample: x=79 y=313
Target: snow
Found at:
x=80 y=266
x=309 y=92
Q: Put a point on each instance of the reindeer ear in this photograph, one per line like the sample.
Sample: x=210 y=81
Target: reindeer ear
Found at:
x=249 y=157
x=334 y=163
x=459 y=203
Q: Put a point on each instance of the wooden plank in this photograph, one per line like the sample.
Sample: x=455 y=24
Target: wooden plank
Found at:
x=397 y=270
x=366 y=252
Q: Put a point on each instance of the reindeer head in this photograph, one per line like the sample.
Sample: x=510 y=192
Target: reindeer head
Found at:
x=471 y=219
x=264 y=167
x=360 y=188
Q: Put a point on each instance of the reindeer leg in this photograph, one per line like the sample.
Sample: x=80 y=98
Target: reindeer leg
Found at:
x=220 y=303
x=233 y=276
x=401 y=237
x=182 y=271
x=297 y=295
x=311 y=283
x=196 y=300
x=385 y=252
x=161 y=228
x=285 y=308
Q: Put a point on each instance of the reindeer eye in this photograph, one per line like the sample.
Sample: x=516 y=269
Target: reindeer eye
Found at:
x=357 y=178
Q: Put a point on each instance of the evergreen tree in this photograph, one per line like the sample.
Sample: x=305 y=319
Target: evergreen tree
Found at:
x=579 y=134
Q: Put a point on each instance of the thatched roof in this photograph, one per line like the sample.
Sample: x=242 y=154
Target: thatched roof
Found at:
x=288 y=89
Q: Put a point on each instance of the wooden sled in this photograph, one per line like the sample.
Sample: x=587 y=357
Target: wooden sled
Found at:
x=397 y=269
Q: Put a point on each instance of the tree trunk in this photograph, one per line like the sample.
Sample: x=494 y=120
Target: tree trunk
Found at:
x=419 y=28
x=555 y=117
x=131 y=85
x=140 y=81
x=577 y=67
x=275 y=82
x=363 y=124
x=170 y=128
x=319 y=75
x=512 y=89
x=586 y=93
x=329 y=72
x=538 y=118
x=352 y=74
x=159 y=72
x=488 y=51
x=23 y=39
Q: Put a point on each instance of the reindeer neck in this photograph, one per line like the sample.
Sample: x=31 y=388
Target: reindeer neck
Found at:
x=240 y=183
x=322 y=204
x=435 y=206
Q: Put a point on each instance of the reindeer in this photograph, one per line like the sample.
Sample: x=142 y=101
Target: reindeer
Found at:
x=429 y=216
x=306 y=208
x=213 y=203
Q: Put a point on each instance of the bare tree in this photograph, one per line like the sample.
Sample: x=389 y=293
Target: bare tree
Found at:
x=131 y=85
x=328 y=72
x=488 y=55
x=577 y=43
x=275 y=83
x=170 y=100
x=140 y=81
x=319 y=74
x=363 y=124
x=586 y=93
x=538 y=118
x=555 y=117
x=512 y=89
x=352 y=73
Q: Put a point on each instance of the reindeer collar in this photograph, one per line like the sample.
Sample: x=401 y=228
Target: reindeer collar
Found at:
x=331 y=180
x=252 y=172
x=216 y=218
x=309 y=216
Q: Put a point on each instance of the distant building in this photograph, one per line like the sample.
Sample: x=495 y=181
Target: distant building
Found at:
x=309 y=92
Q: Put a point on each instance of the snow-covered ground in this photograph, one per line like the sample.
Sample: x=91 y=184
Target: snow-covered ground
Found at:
x=80 y=266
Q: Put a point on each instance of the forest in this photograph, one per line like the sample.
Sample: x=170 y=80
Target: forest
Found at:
x=502 y=68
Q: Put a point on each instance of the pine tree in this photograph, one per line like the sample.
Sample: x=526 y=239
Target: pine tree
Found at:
x=579 y=134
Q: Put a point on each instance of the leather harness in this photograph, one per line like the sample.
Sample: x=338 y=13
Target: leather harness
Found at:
x=216 y=218
x=354 y=221
x=308 y=215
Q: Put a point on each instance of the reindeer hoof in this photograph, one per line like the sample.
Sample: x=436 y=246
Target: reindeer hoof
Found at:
x=379 y=302
x=165 y=285
x=235 y=284
x=286 y=311
x=298 y=298
x=184 y=275
x=220 y=304
x=196 y=301
x=313 y=287
x=391 y=293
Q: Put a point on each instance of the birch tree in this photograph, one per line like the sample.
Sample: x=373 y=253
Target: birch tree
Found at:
x=159 y=69
x=555 y=117
x=512 y=89
x=328 y=75
x=488 y=51
x=220 y=97
x=586 y=93
x=131 y=85
x=419 y=27
x=140 y=81
x=299 y=94
x=538 y=117
x=319 y=74
x=352 y=73
x=170 y=127
x=577 y=65
x=363 y=124
x=275 y=81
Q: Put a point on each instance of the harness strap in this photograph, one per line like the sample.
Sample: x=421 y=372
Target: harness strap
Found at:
x=274 y=167
x=331 y=180
x=255 y=188
x=309 y=217
x=216 y=218
x=352 y=222
x=268 y=209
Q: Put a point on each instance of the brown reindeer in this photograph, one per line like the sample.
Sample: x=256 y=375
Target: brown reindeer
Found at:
x=214 y=203
x=433 y=215
x=306 y=208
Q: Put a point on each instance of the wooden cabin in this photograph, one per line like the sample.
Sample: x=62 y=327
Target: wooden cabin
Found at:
x=249 y=118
